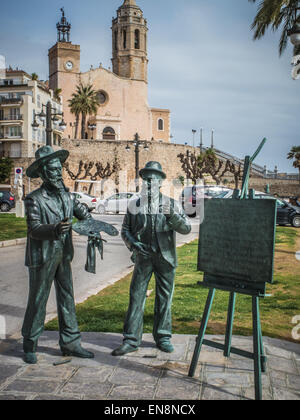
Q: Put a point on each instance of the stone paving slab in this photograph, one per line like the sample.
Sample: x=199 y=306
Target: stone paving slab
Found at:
x=147 y=374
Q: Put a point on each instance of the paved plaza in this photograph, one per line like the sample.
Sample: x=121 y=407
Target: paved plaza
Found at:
x=148 y=374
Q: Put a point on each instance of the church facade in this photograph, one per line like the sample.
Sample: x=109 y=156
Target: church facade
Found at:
x=122 y=91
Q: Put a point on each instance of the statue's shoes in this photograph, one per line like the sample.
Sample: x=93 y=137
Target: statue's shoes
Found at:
x=30 y=358
x=78 y=352
x=165 y=346
x=124 y=349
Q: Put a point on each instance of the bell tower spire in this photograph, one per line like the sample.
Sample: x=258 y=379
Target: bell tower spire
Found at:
x=129 y=35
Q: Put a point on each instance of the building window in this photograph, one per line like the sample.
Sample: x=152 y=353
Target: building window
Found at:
x=124 y=39
x=102 y=97
x=109 y=133
x=116 y=40
x=14 y=131
x=15 y=150
x=137 y=39
x=161 y=124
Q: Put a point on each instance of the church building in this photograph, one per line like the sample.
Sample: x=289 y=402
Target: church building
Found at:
x=122 y=91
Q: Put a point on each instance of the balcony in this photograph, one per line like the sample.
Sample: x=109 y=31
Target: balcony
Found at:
x=11 y=118
x=10 y=101
x=12 y=138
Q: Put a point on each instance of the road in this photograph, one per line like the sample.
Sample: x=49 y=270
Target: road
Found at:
x=14 y=275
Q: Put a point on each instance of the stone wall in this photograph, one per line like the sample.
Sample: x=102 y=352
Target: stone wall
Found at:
x=166 y=153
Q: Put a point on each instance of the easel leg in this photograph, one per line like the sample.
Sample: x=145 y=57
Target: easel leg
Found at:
x=257 y=347
x=263 y=358
x=229 y=327
x=202 y=330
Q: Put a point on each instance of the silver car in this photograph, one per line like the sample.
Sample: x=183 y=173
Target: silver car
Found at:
x=117 y=203
x=89 y=201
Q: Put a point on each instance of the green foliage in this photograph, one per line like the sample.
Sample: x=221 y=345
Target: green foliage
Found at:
x=12 y=227
x=6 y=165
x=275 y=14
x=84 y=102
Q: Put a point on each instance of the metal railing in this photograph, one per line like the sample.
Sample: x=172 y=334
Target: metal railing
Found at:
x=7 y=137
x=8 y=101
x=11 y=117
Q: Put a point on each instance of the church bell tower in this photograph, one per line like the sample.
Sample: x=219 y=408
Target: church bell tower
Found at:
x=129 y=35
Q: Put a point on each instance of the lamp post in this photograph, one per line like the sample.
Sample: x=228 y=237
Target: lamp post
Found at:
x=212 y=138
x=201 y=140
x=92 y=127
x=137 y=144
x=50 y=116
x=194 y=132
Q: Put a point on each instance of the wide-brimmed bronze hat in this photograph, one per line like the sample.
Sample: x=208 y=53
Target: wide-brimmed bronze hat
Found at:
x=43 y=155
x=153 y=167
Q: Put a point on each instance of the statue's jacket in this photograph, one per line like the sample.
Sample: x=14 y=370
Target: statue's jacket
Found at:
x=135 y=223
x=42 y=218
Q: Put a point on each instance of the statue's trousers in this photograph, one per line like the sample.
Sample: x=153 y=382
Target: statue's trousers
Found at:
x=40 y=282
x=164 y=276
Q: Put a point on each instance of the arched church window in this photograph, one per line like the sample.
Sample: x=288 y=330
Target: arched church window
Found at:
x=124 y=39
x=109 y=133
x=137 y=39
x=161 y=124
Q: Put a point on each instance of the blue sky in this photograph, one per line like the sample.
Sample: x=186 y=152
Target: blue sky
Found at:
x=203 y=66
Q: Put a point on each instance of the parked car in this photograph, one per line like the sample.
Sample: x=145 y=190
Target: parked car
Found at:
x=7 y=201
x=192 y=195
x=117 y=203
x=287 y=214
x=88 y=200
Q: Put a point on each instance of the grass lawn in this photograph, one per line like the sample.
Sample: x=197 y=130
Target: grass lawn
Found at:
x=105 y=312
x=12 y=227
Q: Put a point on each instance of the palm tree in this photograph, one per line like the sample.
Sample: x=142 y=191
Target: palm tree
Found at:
x=295 y=154
x=57 y=93
x=276 y=13
x=84 y=102
x=75 y=108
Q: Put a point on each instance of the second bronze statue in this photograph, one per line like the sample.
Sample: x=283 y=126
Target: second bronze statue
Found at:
x=148 y=230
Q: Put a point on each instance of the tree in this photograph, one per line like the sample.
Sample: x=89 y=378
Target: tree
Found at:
x=75 y=106
x=295 y=154
x=85 y=101
x=102 y=172
x=276 y=13
x=57 y=93
x=34 y=76
x=191 y=167
x=215 y=167
x=6 y=165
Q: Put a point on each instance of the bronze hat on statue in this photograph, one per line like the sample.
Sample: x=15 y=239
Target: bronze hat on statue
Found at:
x=153 y=167
x=43 y=155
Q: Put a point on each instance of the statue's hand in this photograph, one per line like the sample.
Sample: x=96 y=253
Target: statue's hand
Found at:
x=63 y=227
x=140 y=248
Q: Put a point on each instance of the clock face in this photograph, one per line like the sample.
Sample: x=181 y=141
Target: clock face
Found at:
x=69 y=65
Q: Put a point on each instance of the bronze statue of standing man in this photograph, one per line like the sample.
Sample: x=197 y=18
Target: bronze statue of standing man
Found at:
x=149 y=232
x=49 y=252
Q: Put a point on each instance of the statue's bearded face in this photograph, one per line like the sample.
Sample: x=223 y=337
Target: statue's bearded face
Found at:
x=51 y=173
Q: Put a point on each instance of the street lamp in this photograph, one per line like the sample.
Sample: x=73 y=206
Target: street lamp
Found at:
x=201 y=140
x=212 y=138
x=92 y=127
x=50 y=116
x=137 y=144
x=194 y=132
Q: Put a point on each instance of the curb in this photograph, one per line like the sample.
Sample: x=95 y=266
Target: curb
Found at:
x=13 y=242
